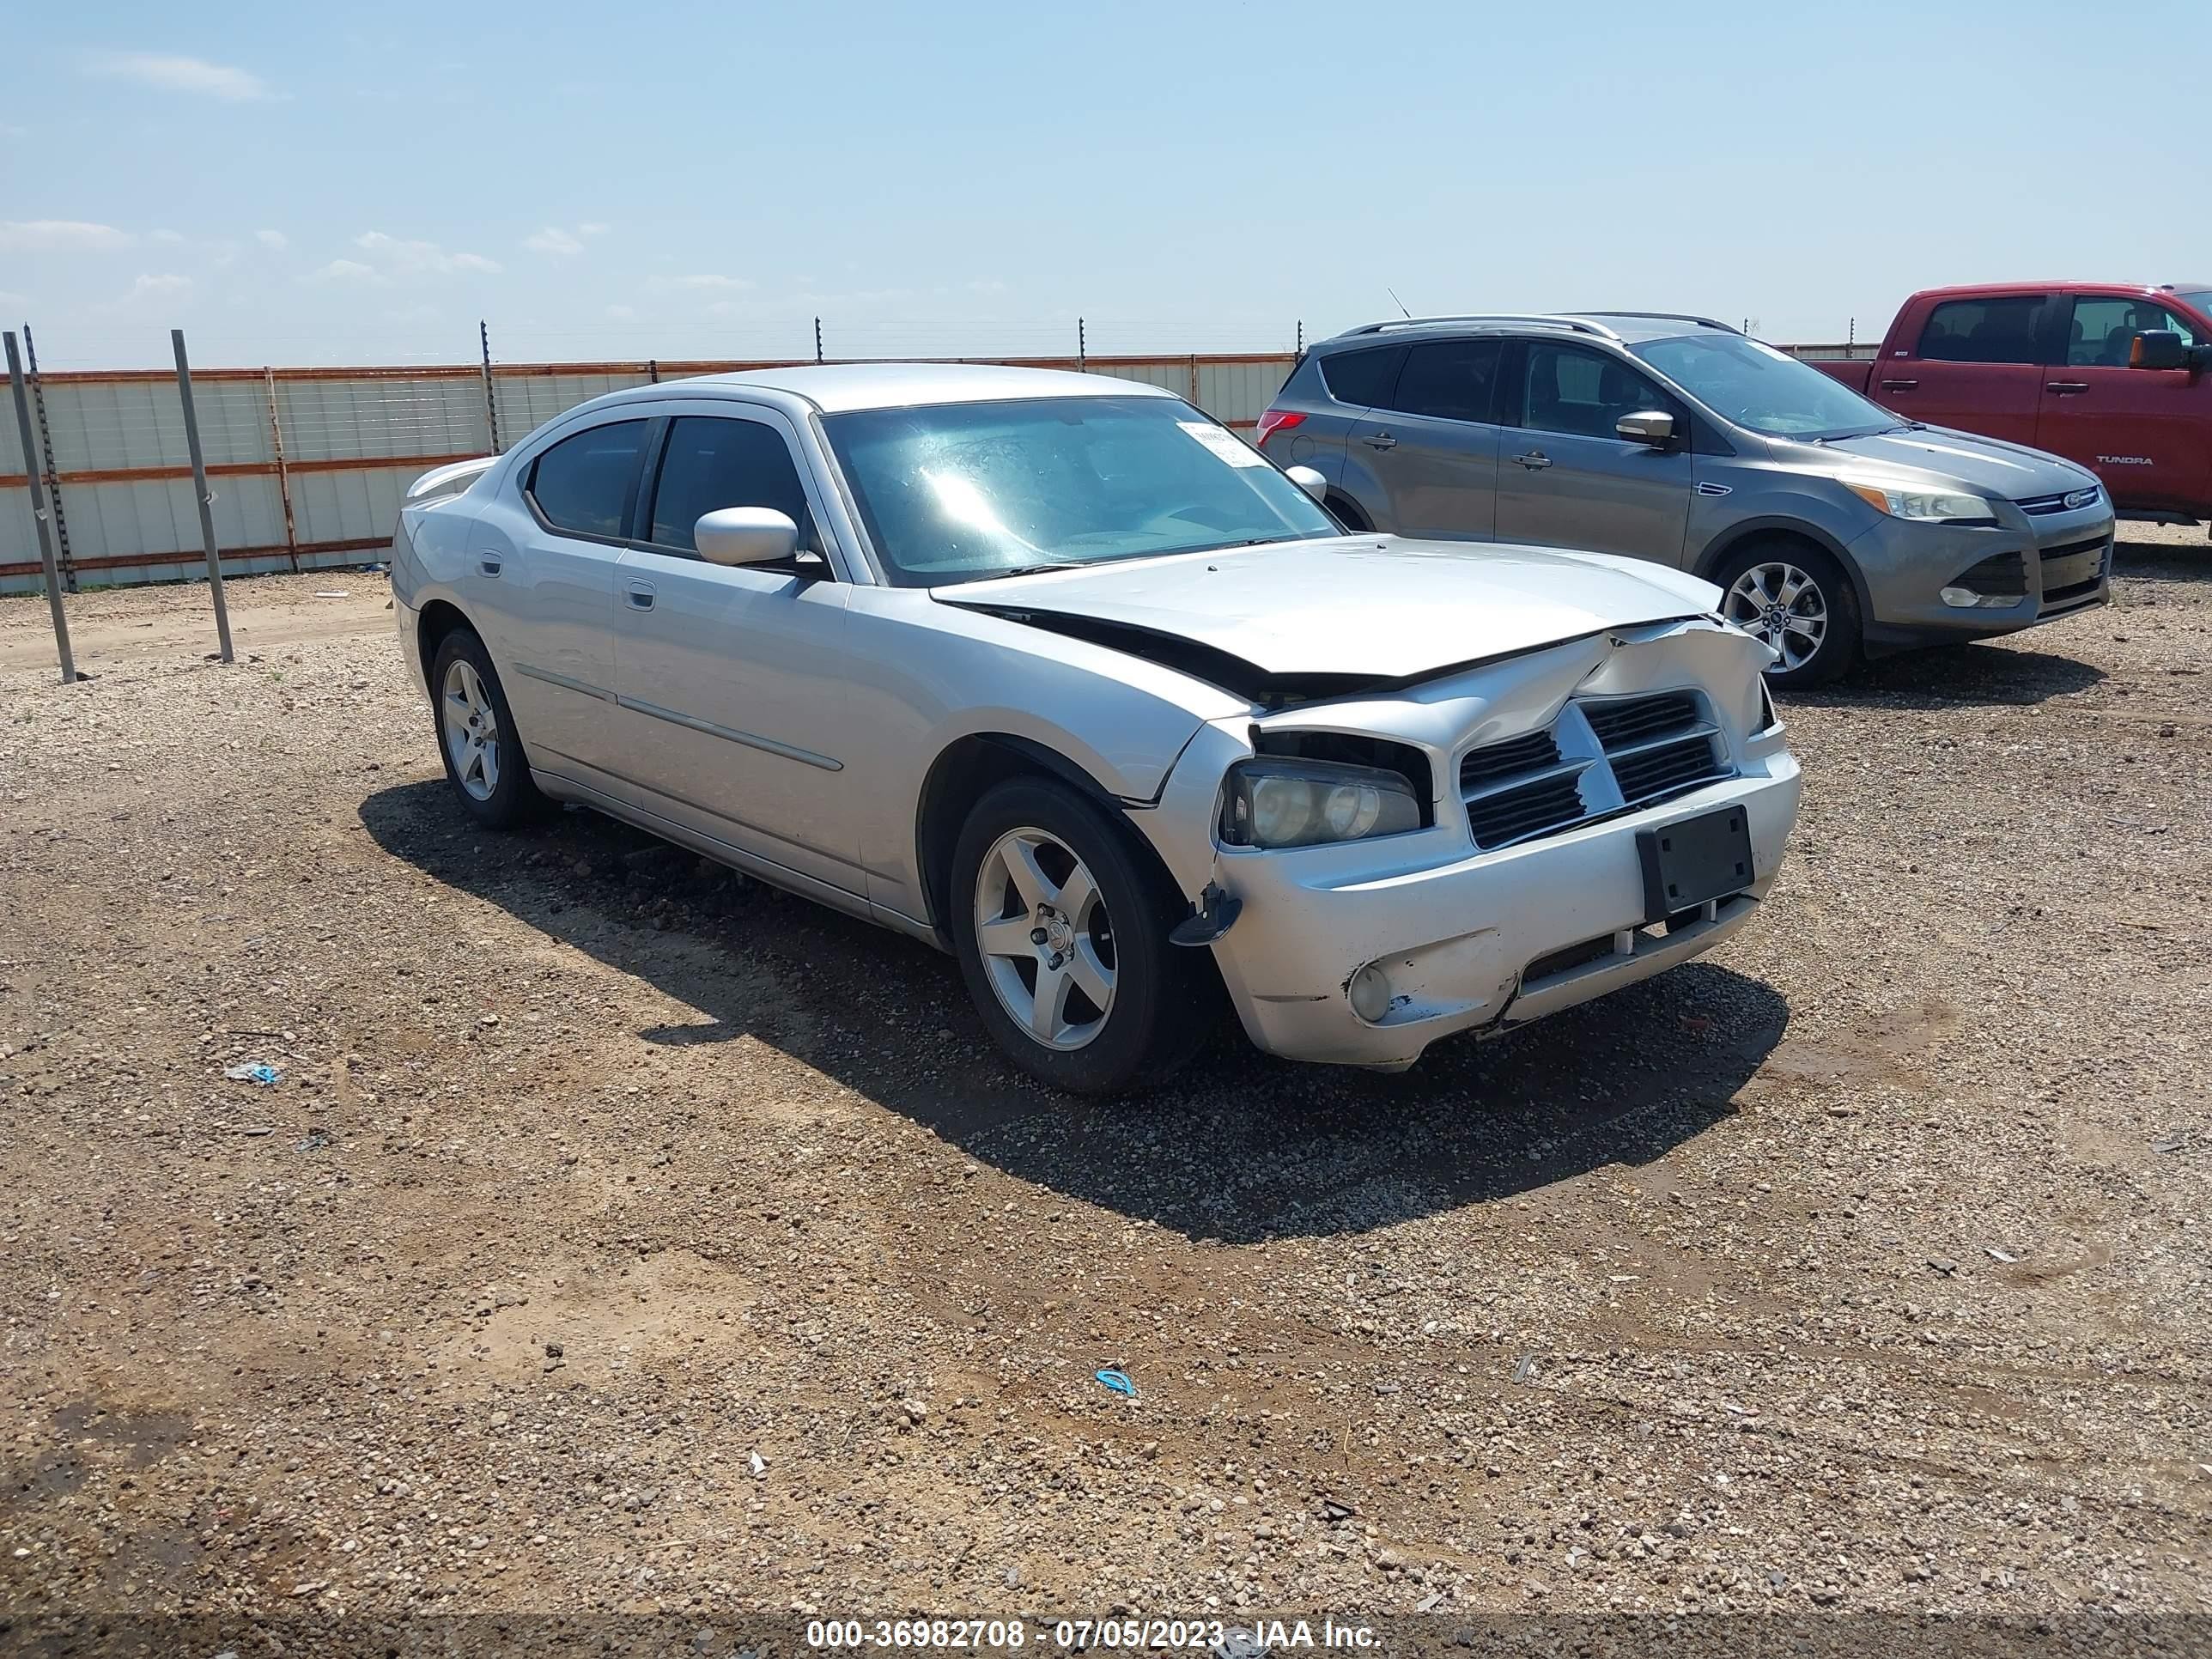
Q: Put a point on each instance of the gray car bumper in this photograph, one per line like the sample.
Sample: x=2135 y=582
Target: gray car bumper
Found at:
x=2023 y=572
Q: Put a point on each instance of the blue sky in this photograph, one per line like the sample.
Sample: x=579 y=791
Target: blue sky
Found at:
x=303 y=184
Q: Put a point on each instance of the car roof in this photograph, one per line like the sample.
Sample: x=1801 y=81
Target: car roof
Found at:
x=1971 y=290
x=834 y=388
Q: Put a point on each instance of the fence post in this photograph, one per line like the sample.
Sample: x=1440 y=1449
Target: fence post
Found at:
x=817 y=339
x=1082 y=350
x=283 y=473
x=38 y=513
x=46 y=454
x=491 y=398
x=200 y=490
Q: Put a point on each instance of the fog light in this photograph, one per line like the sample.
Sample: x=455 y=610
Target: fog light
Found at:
x=1965 y=599
x=1370 y=993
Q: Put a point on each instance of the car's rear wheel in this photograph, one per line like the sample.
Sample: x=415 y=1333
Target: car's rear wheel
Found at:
x=1795 y=598
x=1348 y=513
x=1061 y=927
x=477 y=736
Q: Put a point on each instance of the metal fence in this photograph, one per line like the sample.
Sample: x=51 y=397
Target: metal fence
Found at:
x=307 y=466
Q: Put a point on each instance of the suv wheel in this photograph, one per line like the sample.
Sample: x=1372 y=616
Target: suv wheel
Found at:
x=1062 y=934
x=482 y=753
x=1797 y=599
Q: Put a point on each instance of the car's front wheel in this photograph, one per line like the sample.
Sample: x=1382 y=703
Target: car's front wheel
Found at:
x=1062 y=928
x=1798 y=599
x=477 y=737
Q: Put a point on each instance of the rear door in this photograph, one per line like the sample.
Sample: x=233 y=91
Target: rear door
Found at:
x=1566 y=479
x=2146 y=433
x=1977 y=365
x=1431 y=446
x=731 y=680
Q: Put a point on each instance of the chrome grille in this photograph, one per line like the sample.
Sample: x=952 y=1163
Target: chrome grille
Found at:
x=2038 y=506
x=1601 y=756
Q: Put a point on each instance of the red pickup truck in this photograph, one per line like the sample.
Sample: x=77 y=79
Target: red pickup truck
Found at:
x=2110 y=376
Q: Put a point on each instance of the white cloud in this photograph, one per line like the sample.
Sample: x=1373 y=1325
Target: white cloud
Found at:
x=411 y=259
x=345 y=271
x=275 y=238
x=154 y=287
x=553 y=240
x=165 y=236
x=621 y=313
x=55 y=236
x=176 y=74
x=591 y=228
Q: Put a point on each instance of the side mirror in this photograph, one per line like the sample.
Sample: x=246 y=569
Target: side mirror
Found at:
x=1308 y=480
x=2161 y=348
x=745 y=535
x=1648 y=426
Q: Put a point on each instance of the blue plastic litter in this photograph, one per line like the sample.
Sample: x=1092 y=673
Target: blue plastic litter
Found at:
x=1119 y=1381
x=260 y=1071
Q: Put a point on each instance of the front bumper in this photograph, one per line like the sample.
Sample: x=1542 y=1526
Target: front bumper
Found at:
x=2056 y=564
x=1488 y=941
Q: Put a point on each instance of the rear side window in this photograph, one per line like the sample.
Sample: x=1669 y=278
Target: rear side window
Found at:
x=585 y=484
x=714 y=461
x=2104 y=329
x=1455 y=379
x=1363 y=378
x=2007 y=329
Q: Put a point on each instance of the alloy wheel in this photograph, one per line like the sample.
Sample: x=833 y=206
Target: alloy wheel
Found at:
x=1783 y=605
x=1046 y=941
x=471 y=730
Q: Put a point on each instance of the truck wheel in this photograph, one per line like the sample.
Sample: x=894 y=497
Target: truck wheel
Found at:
x=1062 y=928
x=1795 y=597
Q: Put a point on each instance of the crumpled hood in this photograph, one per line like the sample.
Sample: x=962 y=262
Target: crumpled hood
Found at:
x=1990 y=466
x=1378 y=607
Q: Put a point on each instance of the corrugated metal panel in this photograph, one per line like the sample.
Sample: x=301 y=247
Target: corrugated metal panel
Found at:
x=526 y=402
x=352 y=420
x=349 y=506
x=11 y=448
x=19 y=531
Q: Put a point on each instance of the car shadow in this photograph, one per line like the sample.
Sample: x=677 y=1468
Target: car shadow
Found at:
x=1238 y=1147
x=2172 y=561
x=1985 y=673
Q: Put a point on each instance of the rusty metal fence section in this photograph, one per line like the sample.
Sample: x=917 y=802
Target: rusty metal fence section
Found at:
x=308 y=465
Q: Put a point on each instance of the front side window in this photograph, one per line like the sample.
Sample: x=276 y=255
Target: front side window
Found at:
x=2105 y=329
x=1453 y=380
x=585 y=484
x=1582 y=393
x=1999 y=330
x=1750 y=383
x=715 y=461
x=958 y=492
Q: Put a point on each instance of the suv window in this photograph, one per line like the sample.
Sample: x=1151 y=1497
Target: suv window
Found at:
x=1994 y=330
x=1362 y=377
x=585 y=484
x=714 y=461
x=1455 y=379
x=1582 y=393
x=2105 y=328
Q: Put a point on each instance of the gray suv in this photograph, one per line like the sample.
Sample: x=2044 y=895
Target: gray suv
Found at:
x=1834 y=528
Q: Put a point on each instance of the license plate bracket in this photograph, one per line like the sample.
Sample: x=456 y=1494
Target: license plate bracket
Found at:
x=1686 y=864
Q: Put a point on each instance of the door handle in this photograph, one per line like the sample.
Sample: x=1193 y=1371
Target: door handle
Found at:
x=1899 y=385
x=641 y=596
x=487 y=564
x=1535 y=461
x=1383 y=440
x=2064 y=387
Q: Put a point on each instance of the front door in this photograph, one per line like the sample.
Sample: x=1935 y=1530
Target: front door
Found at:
x=1565 y=478
x=2146 y=433
x=731 y=679
x=1431 y=445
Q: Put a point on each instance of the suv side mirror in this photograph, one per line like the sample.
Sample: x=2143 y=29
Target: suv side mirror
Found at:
x=1648 y=426
x=745 y=535
x=2161 y=348
x=1308 y=480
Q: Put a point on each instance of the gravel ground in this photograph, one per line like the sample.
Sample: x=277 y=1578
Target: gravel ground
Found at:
x=622 y=1236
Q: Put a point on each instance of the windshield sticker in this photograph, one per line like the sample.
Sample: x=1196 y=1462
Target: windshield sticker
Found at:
x=1223 y=443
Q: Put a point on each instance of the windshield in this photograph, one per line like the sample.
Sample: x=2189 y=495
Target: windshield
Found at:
x=957 y=492
x=1754 y=385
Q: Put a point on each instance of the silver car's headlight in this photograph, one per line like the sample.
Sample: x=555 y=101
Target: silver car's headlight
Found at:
x=1269 y=801
x=1927 y=506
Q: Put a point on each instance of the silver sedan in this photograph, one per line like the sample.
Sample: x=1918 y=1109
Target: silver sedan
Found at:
x=1056 y=673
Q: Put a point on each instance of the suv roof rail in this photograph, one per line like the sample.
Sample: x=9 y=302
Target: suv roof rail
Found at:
x=1668 y=317
x=1579 y=324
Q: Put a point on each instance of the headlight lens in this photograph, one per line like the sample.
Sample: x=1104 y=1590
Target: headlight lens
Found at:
x=1270 y=802
x=1927 y=506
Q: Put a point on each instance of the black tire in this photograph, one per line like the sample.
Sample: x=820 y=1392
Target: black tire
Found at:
x=1160 y=998
x=511 y=798
x=1842 y=637
x=1348 y=514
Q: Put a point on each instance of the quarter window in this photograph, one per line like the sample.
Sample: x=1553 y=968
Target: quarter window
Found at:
x=2104 y=329
x=715 y=461
x=1454 y=379
x=585 y=484
x=1569 y=390
x=1363 y=378
x=2006 y=330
